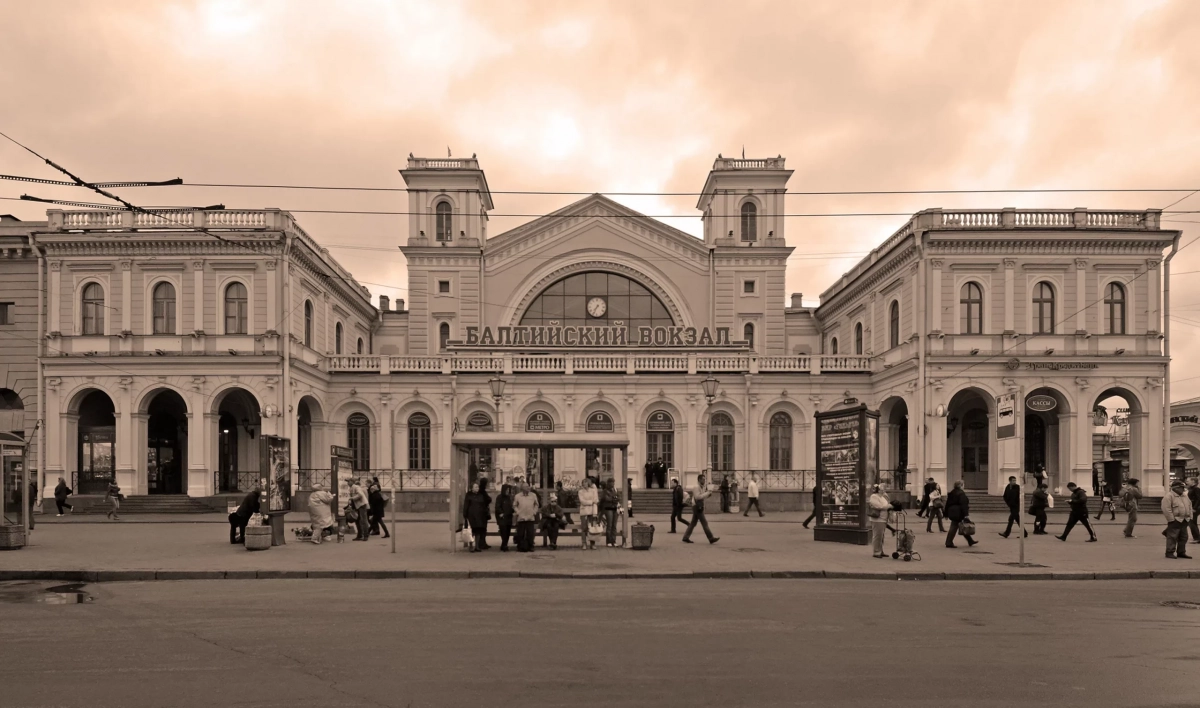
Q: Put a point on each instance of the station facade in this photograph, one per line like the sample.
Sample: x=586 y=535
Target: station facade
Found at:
x=174 y=341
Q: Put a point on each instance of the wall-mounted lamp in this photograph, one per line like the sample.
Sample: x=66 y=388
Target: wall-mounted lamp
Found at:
x=1119 y=352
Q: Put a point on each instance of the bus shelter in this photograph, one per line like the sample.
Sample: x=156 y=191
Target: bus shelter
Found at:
x=465 y=443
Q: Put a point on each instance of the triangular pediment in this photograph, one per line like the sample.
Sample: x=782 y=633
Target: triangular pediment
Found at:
x=589 y=211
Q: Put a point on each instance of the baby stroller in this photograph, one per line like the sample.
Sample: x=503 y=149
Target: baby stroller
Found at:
x=905 y=537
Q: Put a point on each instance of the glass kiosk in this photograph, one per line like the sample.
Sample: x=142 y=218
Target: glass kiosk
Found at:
x=14 y=502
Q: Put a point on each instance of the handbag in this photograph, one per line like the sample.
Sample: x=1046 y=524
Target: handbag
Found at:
x=351 y=514
x=966 y=527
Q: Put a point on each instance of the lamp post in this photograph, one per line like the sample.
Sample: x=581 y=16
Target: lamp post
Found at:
x=497 y=385
x=709 y=385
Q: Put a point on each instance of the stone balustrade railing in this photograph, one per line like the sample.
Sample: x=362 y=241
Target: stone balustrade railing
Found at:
x=613 y=363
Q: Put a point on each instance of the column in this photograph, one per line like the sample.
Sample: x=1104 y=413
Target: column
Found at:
x=386 y=433
x=936 y=323
x=200 y=467
x=1152 y=295
x=54 y=304
x=126 y=295
x=1080 y=296
x=326 y=324
x=274 y=316
x=1009 y=294
x=198 y=294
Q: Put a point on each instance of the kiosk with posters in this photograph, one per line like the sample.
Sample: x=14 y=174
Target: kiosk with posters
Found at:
x=343 y=472
x=275 y=463
x=14 y=502
x=847 y=463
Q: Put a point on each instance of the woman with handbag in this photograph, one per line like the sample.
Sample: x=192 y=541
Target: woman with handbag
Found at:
x=360 y=506
x=958 y=511
x=476 y=506
x=588 y=507
x=378 y=503
x=937 y=503
x=113 y=496
x=504 y=515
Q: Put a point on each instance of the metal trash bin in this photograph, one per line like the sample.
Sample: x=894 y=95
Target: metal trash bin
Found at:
x=641 y=536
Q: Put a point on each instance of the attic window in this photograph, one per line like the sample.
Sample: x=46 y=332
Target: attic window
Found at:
x=443 y=287
x=748 y=287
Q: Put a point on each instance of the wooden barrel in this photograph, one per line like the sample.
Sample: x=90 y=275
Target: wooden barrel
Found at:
x=258 y=538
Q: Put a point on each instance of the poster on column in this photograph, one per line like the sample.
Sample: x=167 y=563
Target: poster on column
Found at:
x=276 y=466
x=847 y=451
x=1006 y=416
x=343 y=472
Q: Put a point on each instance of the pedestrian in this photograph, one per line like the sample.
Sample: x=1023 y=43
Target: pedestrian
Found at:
x=958 y=509
x=1039 y=475
x=878 y=507
x=1012 y=498
x=552 y=520
x=650 y=473
x=752 y=495
x=588 y=510
x=937 y=502
x=1037 y=509
x=929 y=487
x=699 y=493
x=1178 y=510
x=113 y=497
x=1079 y=513
x=475 y=513
x=1193 y=495
x=1106 y=500
x=361 y=505
x=1130 y=496
x=320 y=513
x=660 y=473
x=504 y=515
x=816 y=498
x=525 y=509
x=629 y=497
x=240 y=517
x=724 y=494
x=676 y=503
x=734 y=498
x=901 y=476
x=61 y=492
x=378 y=503
x=33 y=493
x=609 y=502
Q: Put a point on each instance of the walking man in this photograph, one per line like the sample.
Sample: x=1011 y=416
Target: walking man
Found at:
x=816 y=494
x=677 y=504
x=1079 y=513
x=1178 y=510
x=930 y=485
x=877 y=509
x=525 y=509
x=1012 y=497
x=752 y=495
x=1193 y=495
x=1037 y=507
x=1130 y=496
x=699 y=494
x=725 y=494
x=61 y=492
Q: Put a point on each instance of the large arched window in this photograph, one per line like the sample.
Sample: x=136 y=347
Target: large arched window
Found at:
x=781 y=441
x=597 y=299
x=236 y=309
x=858 y=338
x=1043 y=308
x=720 y=443
x=308 y=323
x=749 y=222
x=337 y=338
x=443 y=336
x=833 y=346
x=93 y=309
x=419 y=447
x=894 y=324
x=358 y=439
x=1114 y=308
x=748 y=334
x=359 y=348
x=163 y=320
x=445 y=224
x=971 y=304
x=660 y=438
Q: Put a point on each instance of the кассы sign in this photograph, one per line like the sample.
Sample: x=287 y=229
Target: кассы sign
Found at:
x=1041 y=403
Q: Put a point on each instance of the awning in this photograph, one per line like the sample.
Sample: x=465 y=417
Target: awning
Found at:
x=554 y=440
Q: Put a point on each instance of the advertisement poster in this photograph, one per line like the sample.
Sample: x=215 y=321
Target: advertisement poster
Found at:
x=277 y=470
x=343 y=472
x=847 y=459
x=1006 y=416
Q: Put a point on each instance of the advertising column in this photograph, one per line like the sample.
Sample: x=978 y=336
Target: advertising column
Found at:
x=847 y=461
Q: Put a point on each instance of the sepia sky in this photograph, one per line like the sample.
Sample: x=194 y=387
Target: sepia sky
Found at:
x=615 y=96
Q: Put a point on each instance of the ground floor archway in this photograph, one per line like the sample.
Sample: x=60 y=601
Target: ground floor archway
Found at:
x=166 y=443
x=96 y=443
x=239 y=425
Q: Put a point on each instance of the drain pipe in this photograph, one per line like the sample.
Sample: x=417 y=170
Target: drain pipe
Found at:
x=1166 y=325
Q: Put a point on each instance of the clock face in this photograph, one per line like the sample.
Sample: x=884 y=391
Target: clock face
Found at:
x=596 y=307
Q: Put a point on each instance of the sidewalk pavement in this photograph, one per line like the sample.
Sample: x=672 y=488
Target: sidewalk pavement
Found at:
x=776 y=546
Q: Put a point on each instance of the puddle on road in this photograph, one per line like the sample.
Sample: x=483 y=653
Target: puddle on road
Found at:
x=26 y=593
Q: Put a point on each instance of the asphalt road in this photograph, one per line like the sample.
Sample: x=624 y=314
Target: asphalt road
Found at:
x=603 y=643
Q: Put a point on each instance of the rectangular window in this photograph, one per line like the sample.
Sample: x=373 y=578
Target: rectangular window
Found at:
x=748 y=287
x=443 y=287
x=6 y=309
x=235 y=317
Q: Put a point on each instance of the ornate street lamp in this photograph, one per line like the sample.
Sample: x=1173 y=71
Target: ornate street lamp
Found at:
x=497 y=385
x=710 y=388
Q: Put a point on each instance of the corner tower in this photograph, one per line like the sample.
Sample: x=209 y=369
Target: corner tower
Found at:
x=742 y=202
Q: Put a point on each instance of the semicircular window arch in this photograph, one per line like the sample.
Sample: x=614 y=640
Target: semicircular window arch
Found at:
x=597 y=299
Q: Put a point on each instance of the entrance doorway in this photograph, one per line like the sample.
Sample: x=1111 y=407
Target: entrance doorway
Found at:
x=96 y=447
x=166 y=444
x=238 y=425
x=975 y=450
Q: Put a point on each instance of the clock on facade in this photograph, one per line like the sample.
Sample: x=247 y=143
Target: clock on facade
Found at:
x=596 y=307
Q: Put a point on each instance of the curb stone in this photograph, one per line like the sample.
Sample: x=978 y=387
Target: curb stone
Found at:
x=381 y=574
x=840 y=575
x=281 y=574
x=493 y=574
x=598 y=576
x=722 y=574
x=1031 y=576
x=660 y=576
x=545 y=576
x=438 y=574
x=241 y=575
x=189 y=575
x=335 y=574
x=809 y=574
x=122 y=576
x=921 y=575
x=1170 y=574
x=1074 y=575
x=1123 y=575
x=978 y=576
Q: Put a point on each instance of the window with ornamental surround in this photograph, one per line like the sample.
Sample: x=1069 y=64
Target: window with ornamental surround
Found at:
x=748 y=334
x=445 y=224
x=720 y=443
x=308 y=323
x=833 y=346
x=163 y=320
x=749 y=222
x=93 y=309
x=443 y=336
x=1114 y=308
x=894 y=324
x=419 y=445
x=971 y=304
x=781 y=441
x=236 y=309
x=360 y=346
x=337 y=338
x=1043 y=308
x=858 y=338
x=598 y=299
x=358 y=439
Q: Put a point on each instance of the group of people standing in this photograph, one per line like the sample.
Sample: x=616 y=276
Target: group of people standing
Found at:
x=518 y=505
